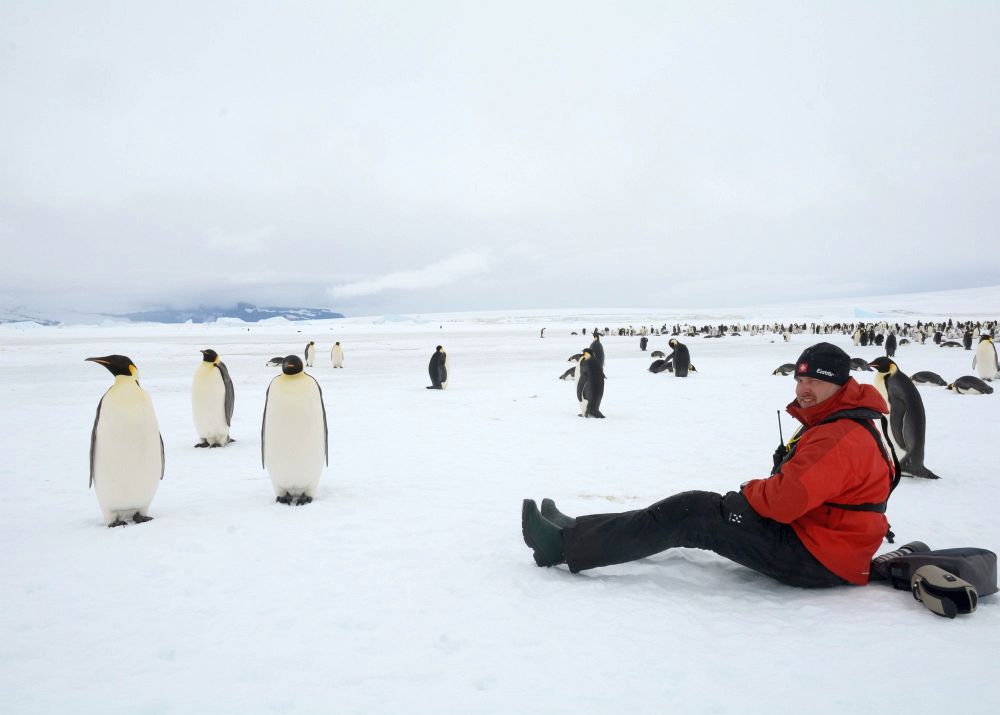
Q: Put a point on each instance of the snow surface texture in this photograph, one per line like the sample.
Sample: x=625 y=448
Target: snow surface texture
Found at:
x=405 y=587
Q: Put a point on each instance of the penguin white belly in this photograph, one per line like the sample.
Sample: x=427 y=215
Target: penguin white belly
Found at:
x=986 y=361
x=127 y=457
x=208 y=404
x=294 y=436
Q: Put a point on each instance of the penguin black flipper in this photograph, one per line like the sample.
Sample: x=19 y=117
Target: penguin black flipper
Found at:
x=93 y=441
x=163 y=459
x=326 y=431
x=263 y=424
x=230 y=392
x=897 y=417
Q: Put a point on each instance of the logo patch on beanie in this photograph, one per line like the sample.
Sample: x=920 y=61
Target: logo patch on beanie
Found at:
x=804 y=367
x=821 y=371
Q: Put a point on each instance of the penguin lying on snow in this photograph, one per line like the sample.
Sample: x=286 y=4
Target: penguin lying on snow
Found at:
x=275 y=361
x=212 y=399
x=907 y=420
x=951 y=344
x=860 y=364
x=126 y=449
x=969 y=385
x=659 y=366
x=786 y=369
x=926 y=377
x=657 y=354
x=294 y=439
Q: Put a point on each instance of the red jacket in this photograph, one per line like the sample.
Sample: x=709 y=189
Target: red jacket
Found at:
x=836 y=462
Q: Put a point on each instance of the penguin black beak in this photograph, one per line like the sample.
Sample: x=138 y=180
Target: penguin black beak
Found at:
x=98 y=360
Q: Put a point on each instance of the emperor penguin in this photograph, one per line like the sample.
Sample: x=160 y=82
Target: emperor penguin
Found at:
x=785 y=369
x=310 y=353
x=212 y=399
x=985 y=360
x=337 y=355
x=294 y=439
x=680 y=357
x=126 y=449
x=438 y=369
x=926 y=377
x=907 y=420
x=590 y=385
x=969 y=385
x=890 y=345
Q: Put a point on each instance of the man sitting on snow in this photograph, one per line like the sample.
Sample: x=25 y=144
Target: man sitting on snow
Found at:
x=815 y=522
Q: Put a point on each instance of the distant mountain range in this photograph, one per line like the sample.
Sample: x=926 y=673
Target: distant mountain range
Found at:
x=246 y=312
x=243 y=311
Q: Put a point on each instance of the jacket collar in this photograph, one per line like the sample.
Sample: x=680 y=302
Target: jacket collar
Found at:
x=852 y=395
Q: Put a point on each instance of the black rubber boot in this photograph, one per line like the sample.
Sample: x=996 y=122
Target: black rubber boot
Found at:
x=550 y=512
x=542 y=536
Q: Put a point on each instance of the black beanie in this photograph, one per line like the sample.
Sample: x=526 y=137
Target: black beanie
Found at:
x=824 y=361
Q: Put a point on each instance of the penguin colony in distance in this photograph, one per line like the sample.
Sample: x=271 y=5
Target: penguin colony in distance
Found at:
x=926 y=377
x=294 y=439
x=337 y=355
x=126 y=449
x=907 y=420
x=985 y=360
x=438 y=369
x=310 y=353
x=212 y=400
x=969 y=385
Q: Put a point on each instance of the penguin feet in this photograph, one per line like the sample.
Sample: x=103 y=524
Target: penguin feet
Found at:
x=138 y=518
x=116 y=522
x=303 y=500
x=203 y=443
x=229 y=440
x=285 y=499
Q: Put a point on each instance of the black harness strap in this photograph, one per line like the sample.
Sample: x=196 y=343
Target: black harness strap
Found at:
x=864 y=418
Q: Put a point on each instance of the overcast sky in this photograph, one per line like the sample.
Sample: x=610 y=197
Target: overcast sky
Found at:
x=397 y=157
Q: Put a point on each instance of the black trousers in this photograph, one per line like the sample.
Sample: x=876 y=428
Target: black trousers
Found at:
x=726 y=525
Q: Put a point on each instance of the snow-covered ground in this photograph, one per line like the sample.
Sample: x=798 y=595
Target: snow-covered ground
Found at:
x=406 y=587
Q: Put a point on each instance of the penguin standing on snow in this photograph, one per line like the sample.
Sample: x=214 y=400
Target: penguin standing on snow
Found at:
x=126 y=449
x=337 y=355
x=310 y=353
x=212 y=399
x=907 y=420
x=438 y=369
x=294 y=440
x=890 y=345
x=985 y=360
x=680 y=358
x=590 y=385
